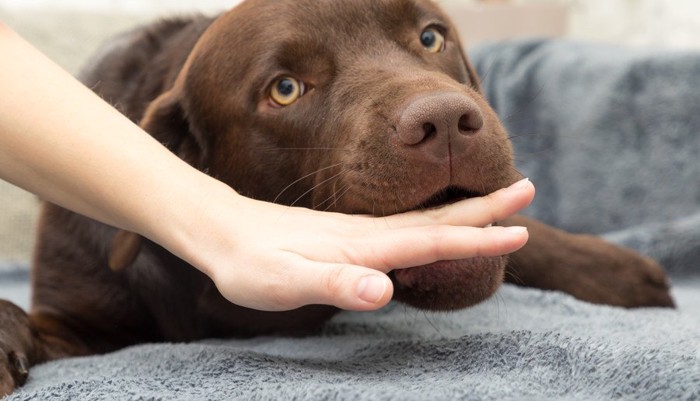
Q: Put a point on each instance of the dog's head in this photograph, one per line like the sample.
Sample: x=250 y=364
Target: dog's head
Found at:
x=366 y=106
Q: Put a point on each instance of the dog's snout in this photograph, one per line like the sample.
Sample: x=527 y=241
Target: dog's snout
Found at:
x=433 y=121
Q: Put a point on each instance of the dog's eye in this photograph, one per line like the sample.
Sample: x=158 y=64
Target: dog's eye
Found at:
x=286 y=91
x=432 y=40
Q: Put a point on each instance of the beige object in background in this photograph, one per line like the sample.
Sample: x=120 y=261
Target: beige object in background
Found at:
x=501 y=19
x=69 y=39
x=18 y=213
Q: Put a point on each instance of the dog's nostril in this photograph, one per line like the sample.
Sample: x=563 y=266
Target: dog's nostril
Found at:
x=429 y=130
x=469 y=123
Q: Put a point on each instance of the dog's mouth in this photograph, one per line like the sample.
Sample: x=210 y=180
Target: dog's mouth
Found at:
x=448 y=195
x=449 y=285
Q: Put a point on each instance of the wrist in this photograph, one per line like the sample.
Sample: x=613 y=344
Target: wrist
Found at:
x=198 y=223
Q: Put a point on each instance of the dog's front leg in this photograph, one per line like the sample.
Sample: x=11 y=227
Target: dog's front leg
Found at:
x=27 y=340
x=17 y=347
x=586 y=267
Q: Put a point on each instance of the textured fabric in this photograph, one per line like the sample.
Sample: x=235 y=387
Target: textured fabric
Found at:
x=522 y=344
x=609 y=136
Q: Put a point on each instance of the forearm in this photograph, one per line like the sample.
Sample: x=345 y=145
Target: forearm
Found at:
x=62 y=142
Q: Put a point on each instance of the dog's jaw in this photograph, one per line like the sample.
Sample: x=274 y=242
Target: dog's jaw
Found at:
x=449 y=285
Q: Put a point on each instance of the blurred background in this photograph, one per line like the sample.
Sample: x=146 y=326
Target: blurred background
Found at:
x=69 y=31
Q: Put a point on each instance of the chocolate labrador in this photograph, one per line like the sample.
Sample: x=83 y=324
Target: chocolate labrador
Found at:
x=366 y=106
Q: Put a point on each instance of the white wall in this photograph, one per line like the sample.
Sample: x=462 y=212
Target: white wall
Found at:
x=670 y=23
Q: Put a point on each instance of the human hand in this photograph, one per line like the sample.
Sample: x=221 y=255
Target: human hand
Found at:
x=272 y=257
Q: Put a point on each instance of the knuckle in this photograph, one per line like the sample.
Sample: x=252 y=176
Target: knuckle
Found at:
x=439 y=214
x=436 y=237
x=435 y=234
x=491 y=207
x=279 y=296
x=278 y=291
x=332 y=282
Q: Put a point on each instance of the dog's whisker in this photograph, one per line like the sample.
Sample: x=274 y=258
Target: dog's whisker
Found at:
x=516 y=119
x=303 y=178
x=333 y=198
x=337 y=197
x=513 y=273
x=500 y=301
x=316 y=206
x=527 y=135
x=431 y=323
x=517 y=171
x=534 y=152
x=334 y=194
x=308 y=191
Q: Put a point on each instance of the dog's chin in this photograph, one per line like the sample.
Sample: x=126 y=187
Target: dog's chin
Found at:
x=449 y=285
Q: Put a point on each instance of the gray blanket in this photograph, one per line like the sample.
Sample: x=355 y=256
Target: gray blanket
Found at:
x=610 y=137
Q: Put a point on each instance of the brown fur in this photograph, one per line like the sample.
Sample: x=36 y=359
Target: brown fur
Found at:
x=387 y=127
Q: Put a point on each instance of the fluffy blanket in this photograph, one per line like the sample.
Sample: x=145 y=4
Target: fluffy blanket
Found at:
x=610 y=137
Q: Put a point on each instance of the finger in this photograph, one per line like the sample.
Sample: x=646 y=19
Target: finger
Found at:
x=299 y=282
x=408 y=247
x=476 y=212
x=345 y=286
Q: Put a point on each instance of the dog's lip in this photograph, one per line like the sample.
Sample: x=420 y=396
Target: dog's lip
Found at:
x=449 y=285
x=448 y=195
x=404 y=276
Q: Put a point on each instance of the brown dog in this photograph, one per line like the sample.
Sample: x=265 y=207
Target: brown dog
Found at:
x=353 y=106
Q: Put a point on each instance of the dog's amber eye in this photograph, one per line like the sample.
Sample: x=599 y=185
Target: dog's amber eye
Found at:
x=432 y=40
x=286 y=91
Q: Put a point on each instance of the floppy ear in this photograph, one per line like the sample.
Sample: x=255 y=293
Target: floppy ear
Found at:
x=165 y=119
x=473 y=76
x=123 y=250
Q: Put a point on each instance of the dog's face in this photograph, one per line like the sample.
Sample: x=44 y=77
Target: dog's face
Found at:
x=365 y=106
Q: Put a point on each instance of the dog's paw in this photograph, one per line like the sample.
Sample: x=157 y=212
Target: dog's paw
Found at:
x=643 y=283
x=588 y=268
x=603 y=273
x=16 y=339
x=14 y=370
x=619 y=276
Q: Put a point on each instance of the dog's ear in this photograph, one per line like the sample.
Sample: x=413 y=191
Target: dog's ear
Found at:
x=166 y=120
x=473 y=76
x=123 y=250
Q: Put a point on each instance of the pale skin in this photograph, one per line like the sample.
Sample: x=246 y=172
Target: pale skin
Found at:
x=63 y=143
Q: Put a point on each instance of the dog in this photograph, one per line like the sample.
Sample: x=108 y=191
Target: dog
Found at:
x=365 y=106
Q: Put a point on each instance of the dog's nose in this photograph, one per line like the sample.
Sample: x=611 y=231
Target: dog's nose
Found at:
x=433 y=123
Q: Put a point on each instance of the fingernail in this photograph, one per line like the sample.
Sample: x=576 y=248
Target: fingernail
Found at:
x=520 y=184
x=371 y=289
x=515 y=229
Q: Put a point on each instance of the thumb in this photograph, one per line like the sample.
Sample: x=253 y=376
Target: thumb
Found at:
x=345 y=286
x=300 y=281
